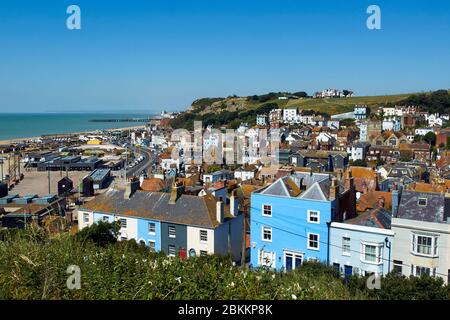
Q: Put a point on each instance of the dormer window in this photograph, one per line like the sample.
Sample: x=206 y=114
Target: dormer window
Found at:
x=422 y=202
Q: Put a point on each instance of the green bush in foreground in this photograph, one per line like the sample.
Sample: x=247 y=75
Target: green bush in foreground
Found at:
x=35 y=268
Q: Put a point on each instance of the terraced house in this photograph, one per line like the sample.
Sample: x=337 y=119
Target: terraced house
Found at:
x=291 y=218
x=175 y=223
x=421 y=223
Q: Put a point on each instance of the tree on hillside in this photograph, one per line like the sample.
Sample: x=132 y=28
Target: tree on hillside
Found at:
x=430 y=138
x=359 y=163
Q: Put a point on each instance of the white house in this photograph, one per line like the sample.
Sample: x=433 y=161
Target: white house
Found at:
x=421 y=223
x=423 y=131
x=289 y=115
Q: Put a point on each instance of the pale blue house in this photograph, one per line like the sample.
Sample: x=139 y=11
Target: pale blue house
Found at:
x=290 y=219
x=363 y=245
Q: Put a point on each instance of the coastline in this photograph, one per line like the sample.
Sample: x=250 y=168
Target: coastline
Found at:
x=30 y=139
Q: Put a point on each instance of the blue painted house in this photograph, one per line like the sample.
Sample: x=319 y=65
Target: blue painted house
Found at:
x=363 y=245
x=291 y=218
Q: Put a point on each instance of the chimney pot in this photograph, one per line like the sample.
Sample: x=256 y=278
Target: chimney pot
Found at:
x=219 y=211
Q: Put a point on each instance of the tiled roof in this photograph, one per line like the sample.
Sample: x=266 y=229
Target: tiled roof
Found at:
x=187 y=210
x=152 y=184
x=434 y=210
x=376 y=218
x=371 y=199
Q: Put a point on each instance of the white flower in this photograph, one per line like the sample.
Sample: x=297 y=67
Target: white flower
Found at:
x=258 y=278
x=294 y=297
x=232 y=284
x=273 y=276
x=178 y=279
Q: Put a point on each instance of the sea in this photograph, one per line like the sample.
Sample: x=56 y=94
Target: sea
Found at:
x=25 y=125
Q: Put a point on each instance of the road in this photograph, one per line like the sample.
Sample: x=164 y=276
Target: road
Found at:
x=149 y=159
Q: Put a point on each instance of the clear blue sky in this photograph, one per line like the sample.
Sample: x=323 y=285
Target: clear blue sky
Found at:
x=162 y=54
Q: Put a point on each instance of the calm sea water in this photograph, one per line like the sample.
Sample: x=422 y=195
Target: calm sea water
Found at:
x=31 y=125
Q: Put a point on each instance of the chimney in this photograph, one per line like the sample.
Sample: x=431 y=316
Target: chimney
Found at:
x=176 y=192
x=380 y=202
x=351 y=180
x=339 y=174
x=333 y=189
x=234 y=209
x=131 y=188
x=219 y=210
x=395 y=200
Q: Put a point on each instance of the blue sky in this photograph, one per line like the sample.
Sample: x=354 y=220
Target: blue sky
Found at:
x=162 y=54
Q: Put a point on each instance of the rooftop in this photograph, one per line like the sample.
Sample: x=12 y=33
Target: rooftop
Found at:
x=423 y=206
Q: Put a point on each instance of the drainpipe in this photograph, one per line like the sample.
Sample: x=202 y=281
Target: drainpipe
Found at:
x=328 y=243
x=388 y=245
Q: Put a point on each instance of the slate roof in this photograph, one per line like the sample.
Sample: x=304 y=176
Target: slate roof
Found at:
x=188 y=210
x=302 y=185
x=375 y=218
x=437 y=208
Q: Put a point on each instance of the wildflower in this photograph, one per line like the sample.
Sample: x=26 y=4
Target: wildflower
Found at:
x=294 y=297
x=273 y=276
x=178 y=279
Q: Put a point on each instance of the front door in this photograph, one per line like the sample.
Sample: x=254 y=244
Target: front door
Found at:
x=348 y=271
x=292 y=260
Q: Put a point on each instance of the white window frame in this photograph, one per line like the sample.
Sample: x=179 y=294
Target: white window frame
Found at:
x=168 y=250
x=422 y=205
x=203 y=253
x=269 y=229
x=346 y=252
x=174 y=234
x=152 y=245
x=434 y=248
x=203 y=234
x=154 y=226
x=105 y=219
x=122 y=220
x=263 y=211
x=318 y=216
x=318 y=241
x=262 y=261
x=294 y=256
x=85 y=217
x=378 y=252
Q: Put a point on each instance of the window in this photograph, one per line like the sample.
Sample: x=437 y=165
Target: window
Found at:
x=142 y=242
x=172 y=252
x=398 y=267
x=266 y=259
x=313 y=241
x=123 y=223
x=267 y=210
x=151 y=228
x=203 y=253
x=86 y=217
x=152 y=245
x=123 y=238
x=105 y=218
x=292 y=260
x=313 y=216
x=419 y=271
x=203 y=236
x=422 y=202
x=346 y=246
x=371 y=253
x=425 y=245
x=172 y=232
x=267 y=233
